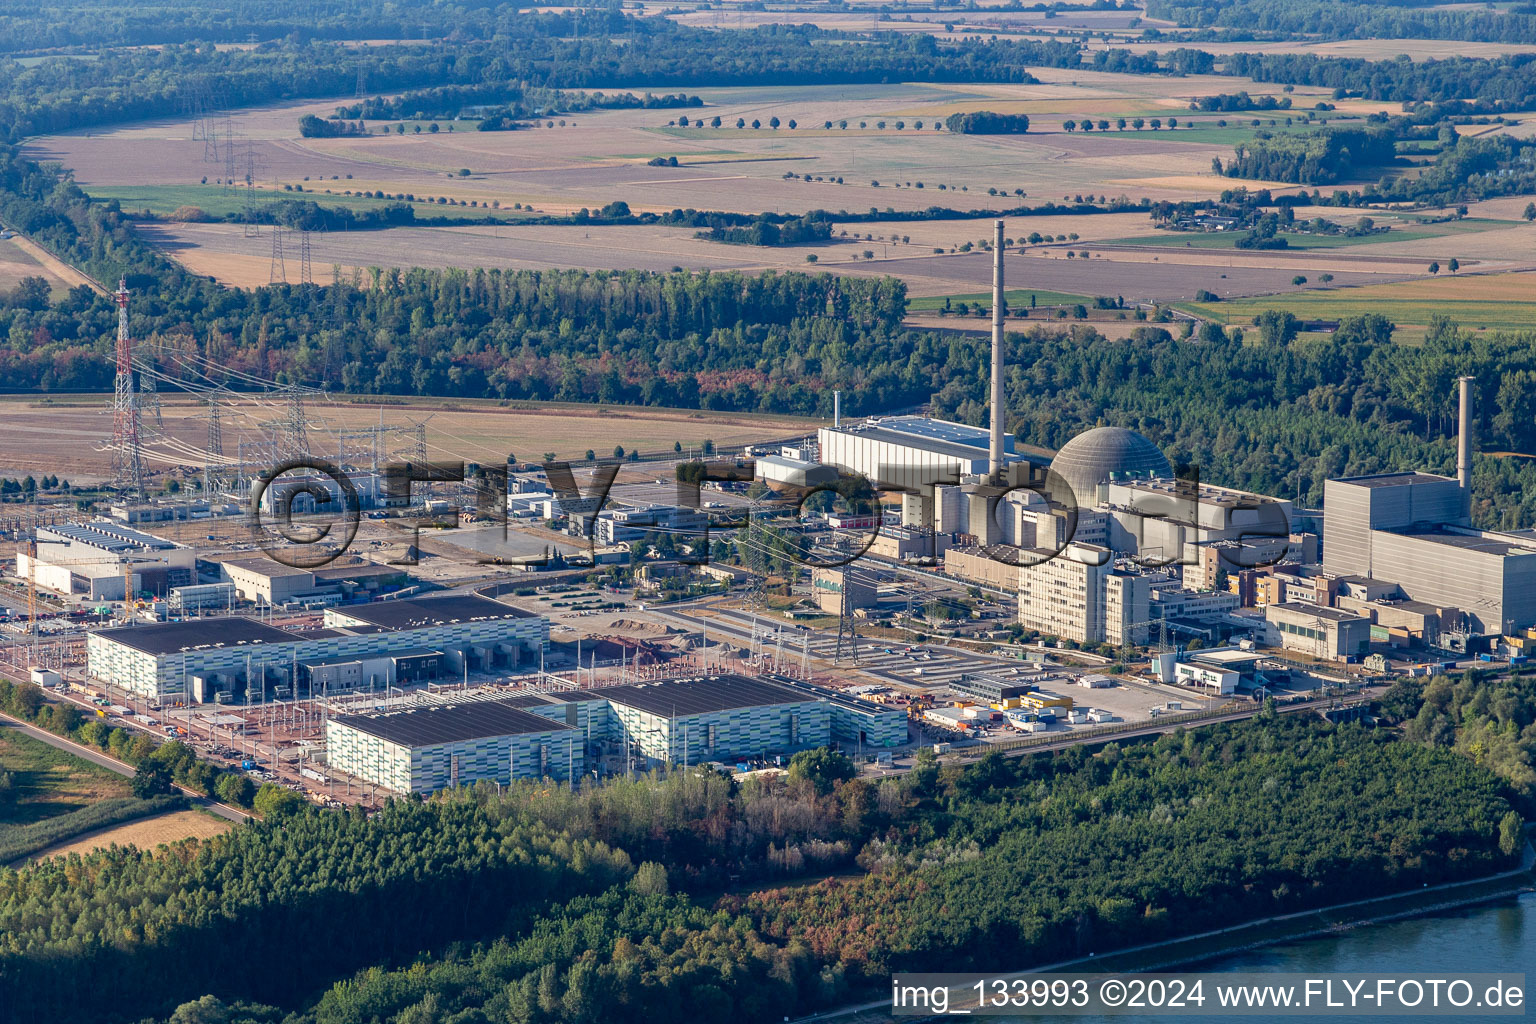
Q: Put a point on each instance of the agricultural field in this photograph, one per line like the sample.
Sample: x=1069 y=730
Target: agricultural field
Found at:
x=1404 y=229
x=223 y=251
x=599 y=157
x=146 y=833
x=20 y=258
x=62 y=435
x=1475 y=301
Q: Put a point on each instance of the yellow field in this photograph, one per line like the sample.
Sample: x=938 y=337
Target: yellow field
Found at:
x=146 y=833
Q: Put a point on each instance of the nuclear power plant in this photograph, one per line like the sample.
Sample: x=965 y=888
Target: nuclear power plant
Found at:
x=1395 y=550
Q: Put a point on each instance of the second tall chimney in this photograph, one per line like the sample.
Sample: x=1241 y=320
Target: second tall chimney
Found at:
x=1464 y=436
x=998 y=425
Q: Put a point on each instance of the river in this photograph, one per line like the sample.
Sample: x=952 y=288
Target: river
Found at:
x=1491 y=937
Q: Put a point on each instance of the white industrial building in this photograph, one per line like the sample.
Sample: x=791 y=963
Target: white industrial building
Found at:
x=1220 y=681
x=1081 y=595
x=267 y=583
x=245 y=660
x=783 y=471
x=625 y=525
x=91 y=560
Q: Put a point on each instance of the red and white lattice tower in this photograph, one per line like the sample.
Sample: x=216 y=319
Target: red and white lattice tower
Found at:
x=127 y=465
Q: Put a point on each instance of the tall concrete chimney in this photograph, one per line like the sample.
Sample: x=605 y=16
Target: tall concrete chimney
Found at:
x=998 y=425
x=837 y=408
x=1464 y=436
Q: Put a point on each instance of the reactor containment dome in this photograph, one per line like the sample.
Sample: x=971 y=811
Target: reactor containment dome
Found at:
x=1095 y=457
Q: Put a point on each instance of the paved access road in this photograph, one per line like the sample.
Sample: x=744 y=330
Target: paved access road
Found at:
x=111 y=763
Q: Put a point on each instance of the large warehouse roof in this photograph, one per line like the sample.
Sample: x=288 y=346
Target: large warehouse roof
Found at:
x=449 y=723
x=198 y=634
x=431 y=611
x=678 y=697
x=106 y=536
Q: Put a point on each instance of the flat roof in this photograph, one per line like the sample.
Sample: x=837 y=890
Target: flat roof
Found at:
x=844 y=700
x=197 y=634
x=264 y=566
x=1204 y=494
x=108 y=536
x=528 y=700
x=449 y=723
x=945 y=430
x=1226 y=657
x=937 y=436
x=432 y=611
x=1402 y=479
x=678 y=697
x=1484 y=543
x=1318 y=611
x=347 y=572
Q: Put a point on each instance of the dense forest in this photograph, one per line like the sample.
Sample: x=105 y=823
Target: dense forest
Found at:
x=1230 y=101
x=1490 y=720
x=75 y=24
x=987 y=122
x=1323 y=157
x=1340 y=19
x=576 y=906
x=499 y=101
x=1488 y=85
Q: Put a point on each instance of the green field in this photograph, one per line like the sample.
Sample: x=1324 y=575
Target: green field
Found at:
x=54 y=796
x=1018 y=298
x=47 y=781
x=1402 y=303
x=163 y=200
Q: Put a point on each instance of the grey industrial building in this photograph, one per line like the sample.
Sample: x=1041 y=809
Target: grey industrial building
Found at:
x=92 y=559
x=1410 y=530
x=364 y=646
x=1330 y=633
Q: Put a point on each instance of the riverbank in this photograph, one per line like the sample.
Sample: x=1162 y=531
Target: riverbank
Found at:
x=1190 y=951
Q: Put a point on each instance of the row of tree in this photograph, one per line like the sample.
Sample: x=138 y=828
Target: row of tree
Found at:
x=157 y=765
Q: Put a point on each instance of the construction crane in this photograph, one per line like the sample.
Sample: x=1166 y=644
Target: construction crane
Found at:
x=128 y=562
